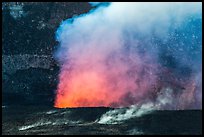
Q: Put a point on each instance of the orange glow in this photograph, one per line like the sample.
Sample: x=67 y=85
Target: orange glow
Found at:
x=86 y=89
x=91 y=83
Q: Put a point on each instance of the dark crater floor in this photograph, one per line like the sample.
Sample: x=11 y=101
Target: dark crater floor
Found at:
x=28 y=120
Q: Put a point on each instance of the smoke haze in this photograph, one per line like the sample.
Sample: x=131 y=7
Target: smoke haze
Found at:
x=125 y=54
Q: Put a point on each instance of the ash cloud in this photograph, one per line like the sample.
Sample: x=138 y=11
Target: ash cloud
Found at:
x=126 y=53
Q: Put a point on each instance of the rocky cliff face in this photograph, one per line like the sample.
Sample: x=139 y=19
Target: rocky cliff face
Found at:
x=29 y=70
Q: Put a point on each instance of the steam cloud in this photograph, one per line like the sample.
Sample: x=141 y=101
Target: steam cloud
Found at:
x=124 y=54
x=119 y=115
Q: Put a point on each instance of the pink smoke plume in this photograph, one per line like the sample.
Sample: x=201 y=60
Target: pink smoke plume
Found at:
x=107 y=58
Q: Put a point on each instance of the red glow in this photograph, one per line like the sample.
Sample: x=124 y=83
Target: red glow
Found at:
x=93 y=82
x=86 y=89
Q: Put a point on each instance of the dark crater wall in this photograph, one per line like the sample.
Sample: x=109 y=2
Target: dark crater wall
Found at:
x=30 y=73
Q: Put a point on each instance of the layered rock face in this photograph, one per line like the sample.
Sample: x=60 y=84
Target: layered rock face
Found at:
x=29 y=70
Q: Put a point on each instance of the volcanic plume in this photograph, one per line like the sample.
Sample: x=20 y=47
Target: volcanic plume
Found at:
x=122 y=54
